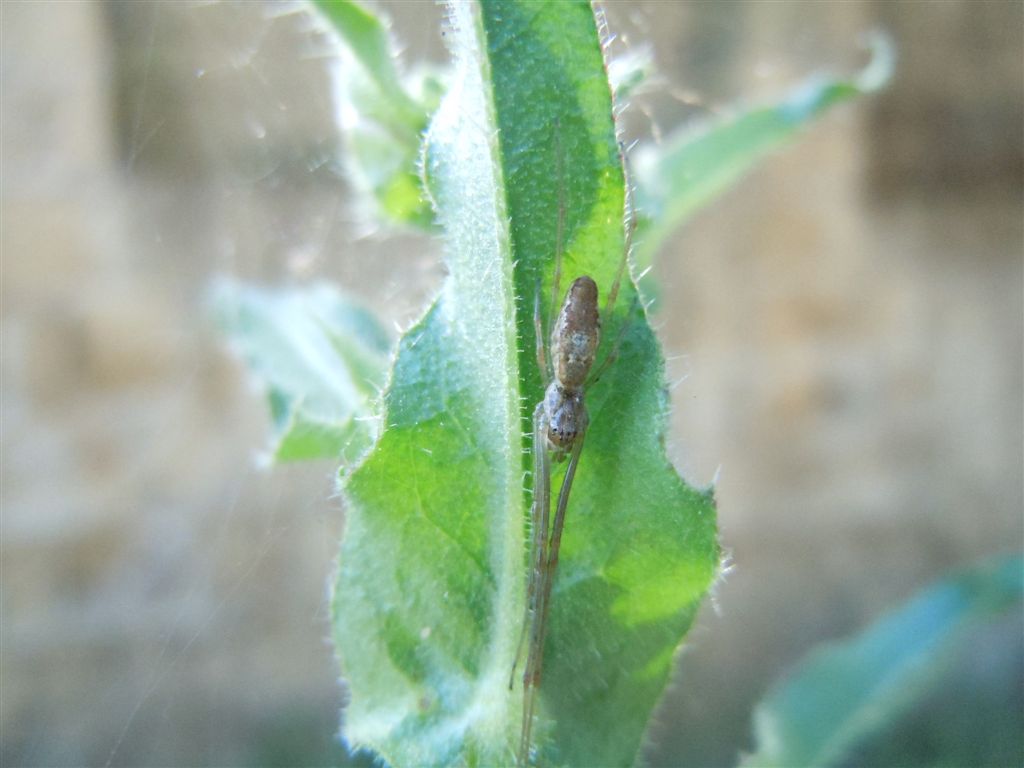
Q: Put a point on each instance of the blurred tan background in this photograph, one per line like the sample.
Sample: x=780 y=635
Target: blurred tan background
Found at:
x=845 y=334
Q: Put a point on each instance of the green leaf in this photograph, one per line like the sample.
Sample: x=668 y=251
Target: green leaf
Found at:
x=430 y=591
x=844 y=693
x=630 y=71
x=322 y=358
x=367 y=37
x=380 y=116
x=697 y=163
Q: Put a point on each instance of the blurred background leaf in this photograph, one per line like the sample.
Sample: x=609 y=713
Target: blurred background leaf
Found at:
x=382 y=114
x=845 y=693
x=696 y=163
x=322 y=357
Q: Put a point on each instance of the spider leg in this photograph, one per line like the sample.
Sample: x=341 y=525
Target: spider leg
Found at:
x=560 y=223
x=613 y=353
x=613 y=292
x=540 y=515
x=551 y=565
x=629 y=216
x=538 y=633
x=538 y=526
x=543 y=359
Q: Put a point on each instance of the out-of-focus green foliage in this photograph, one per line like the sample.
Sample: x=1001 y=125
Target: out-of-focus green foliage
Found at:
x=844 y=693
x=698 y=162
x=381 y=115
x=323 y=359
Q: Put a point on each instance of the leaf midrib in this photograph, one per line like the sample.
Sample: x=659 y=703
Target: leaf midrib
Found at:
x=491 y=715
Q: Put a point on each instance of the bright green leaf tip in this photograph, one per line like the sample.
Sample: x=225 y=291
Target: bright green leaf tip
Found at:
x=821 y=92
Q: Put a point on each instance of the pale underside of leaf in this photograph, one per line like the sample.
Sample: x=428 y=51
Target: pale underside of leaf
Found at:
x=429 y=573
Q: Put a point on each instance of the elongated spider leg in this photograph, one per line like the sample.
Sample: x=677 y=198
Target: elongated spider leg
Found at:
x=613 y=292
x=538 y=527
x=535 y=663
x=556 y=283
x=541 y=484
x=629 y=213
x=543 y=359
x=613 y=353
x=529 y=699
x=540 y=514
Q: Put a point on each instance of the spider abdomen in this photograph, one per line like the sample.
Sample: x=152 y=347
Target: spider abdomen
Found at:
x=576 y=335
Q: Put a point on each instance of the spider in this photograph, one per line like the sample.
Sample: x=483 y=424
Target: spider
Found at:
x=560 y=422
